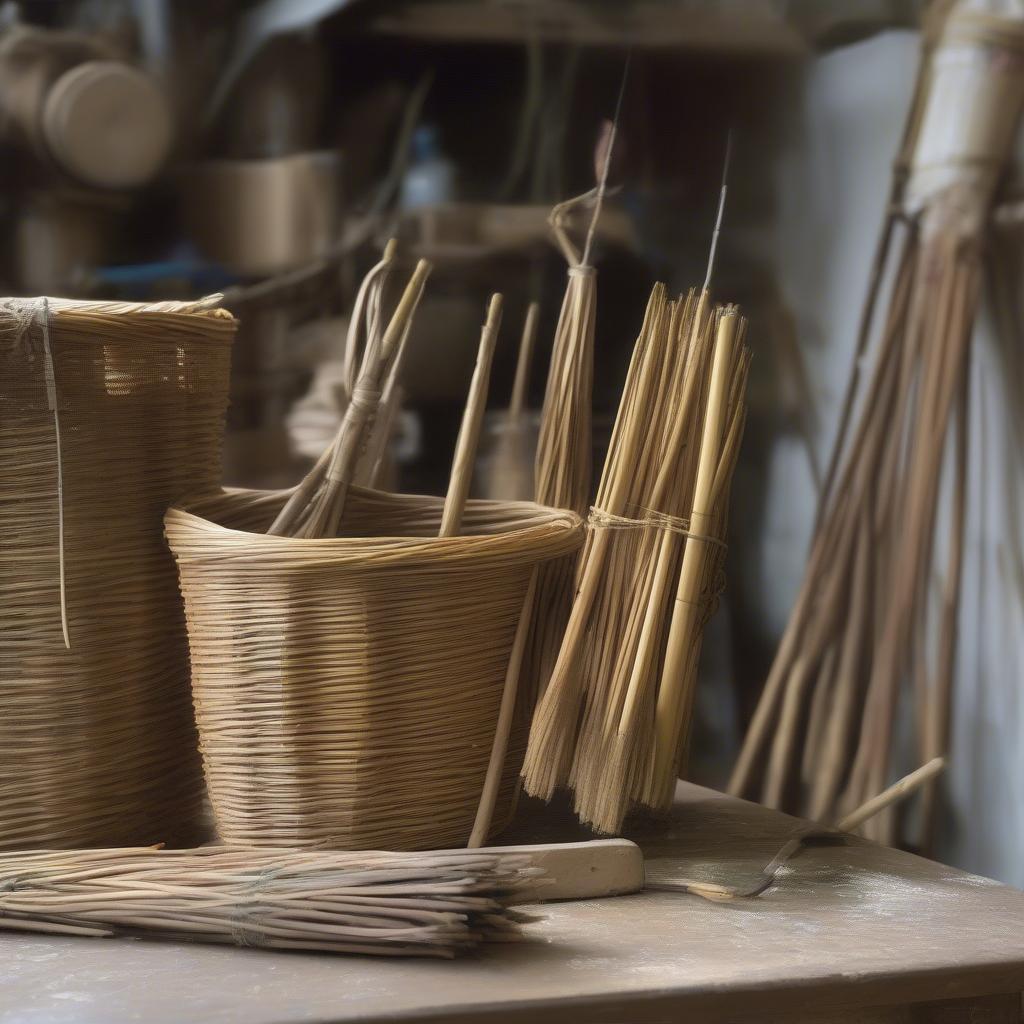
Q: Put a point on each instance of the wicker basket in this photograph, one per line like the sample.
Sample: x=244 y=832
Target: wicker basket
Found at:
x=347 y=689
x=109 y=412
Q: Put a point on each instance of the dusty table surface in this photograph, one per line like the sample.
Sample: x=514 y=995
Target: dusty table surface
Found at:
x=851 y=925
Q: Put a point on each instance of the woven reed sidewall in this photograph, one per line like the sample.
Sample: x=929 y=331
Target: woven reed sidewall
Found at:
x=347 y=689
x=97 y=743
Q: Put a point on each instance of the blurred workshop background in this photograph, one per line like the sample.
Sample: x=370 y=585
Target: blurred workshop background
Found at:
x=155 y=149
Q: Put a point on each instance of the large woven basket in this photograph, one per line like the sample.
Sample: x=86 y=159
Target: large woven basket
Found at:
x=347 y=689
x=109 y=412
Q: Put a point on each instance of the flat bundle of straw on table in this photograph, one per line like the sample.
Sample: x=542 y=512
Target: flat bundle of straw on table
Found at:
x=613 y=721
x=441 y=904
x=864 y=624
x=109 y=412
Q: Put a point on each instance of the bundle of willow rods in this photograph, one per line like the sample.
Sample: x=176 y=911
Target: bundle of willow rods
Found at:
x=563 y=465
x=315 y=508
x=564 y=453
x=613 y=722
x=865 y=624
x=381 y=904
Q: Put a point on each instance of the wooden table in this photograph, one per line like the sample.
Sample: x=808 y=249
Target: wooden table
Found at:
x=850 y=933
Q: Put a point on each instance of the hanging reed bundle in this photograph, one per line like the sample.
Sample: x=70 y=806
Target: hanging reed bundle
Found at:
x=612 y=723
x=563 y=463
x=109 y=412
x=379 y=904
x=865 y=627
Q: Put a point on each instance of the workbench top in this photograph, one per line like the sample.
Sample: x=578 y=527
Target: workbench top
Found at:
x=845 y=927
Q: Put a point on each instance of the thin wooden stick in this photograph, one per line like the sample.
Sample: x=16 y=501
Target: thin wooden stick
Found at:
x=684 y=617
x=496 y=765
x=522 y=379
x=510 y=466
x=717 y=892
x=472 y=420
x=898 y=791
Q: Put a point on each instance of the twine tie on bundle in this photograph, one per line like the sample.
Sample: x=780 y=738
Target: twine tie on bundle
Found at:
x=247 y=923
x=600 y=519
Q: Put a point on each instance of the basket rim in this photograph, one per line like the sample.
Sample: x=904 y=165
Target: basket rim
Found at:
x=91 y=321
x=547 y=533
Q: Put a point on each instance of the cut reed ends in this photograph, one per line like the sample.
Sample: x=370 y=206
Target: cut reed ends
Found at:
x=613 y=722
x=438 y=904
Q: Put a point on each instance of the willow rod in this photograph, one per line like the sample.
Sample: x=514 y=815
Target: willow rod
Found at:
x=472 y=421
x=670 y=706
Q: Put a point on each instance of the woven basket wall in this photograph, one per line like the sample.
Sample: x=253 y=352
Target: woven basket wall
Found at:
x=347 y=690
x=97 y=743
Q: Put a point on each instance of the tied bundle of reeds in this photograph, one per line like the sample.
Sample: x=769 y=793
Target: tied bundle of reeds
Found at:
x=564 y=453
x=612 y=723
x=381 y=904
x=315 y=508
x=866 y=625
x=563 y=466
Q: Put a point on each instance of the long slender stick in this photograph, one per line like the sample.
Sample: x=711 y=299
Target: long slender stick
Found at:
x=898 y=791
x=719 y=893
x=496 y=764
x=684 y=617
x=522 y=378
x=472 y=419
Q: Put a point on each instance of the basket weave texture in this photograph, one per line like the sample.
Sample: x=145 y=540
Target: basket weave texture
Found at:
x=347 y=689
x=109 y=412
